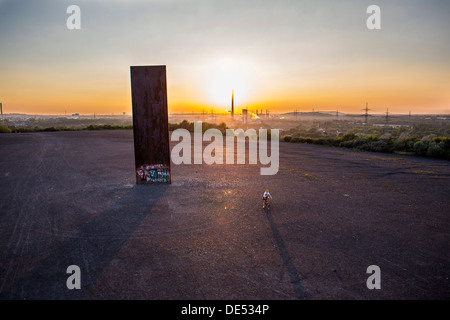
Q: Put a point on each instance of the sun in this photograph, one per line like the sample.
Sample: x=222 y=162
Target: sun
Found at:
x=225 y=76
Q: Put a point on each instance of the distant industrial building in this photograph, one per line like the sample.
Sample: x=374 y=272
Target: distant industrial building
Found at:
x=232 y=104
x=390 y=125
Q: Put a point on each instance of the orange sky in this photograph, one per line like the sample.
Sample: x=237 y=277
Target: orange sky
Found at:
x=279 y=56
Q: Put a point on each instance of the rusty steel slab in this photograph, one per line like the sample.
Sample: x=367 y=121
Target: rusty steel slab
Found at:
x=150 y=124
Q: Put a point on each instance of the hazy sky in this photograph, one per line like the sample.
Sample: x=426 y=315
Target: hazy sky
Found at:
x=276 y=55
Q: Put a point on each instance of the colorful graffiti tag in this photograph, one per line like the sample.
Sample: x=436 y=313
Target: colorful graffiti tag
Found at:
x=154 y=173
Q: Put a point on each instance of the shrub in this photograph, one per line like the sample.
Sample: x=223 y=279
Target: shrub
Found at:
x=23 y=129
x=4 y=129
x=410 y=145
x=435 y=150
x=372 y=138
x=404 y=136
x=364 y=147
x=399 y=145
x=349 y=144
x=445 y=144
x=420 y=147
x=348 y=137
x=346 y=144
x=429 y=138
x=222 y=127
x=319 y=141
x=287 y=138
x=97 y=127
x=379 y=146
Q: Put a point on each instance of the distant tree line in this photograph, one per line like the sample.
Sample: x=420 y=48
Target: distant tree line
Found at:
x=189 y=126
x=5 y=129
x=420 y=140
x=172 y=126
x=429 y=146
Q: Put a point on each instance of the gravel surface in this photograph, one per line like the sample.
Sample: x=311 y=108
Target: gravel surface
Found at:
x=70 y=198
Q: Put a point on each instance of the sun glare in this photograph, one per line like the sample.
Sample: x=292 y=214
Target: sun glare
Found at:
x=224 y=76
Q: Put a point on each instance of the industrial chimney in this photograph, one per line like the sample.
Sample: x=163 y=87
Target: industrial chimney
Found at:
x=232 y=104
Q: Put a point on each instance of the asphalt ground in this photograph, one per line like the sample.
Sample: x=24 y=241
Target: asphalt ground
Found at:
x=70 y=198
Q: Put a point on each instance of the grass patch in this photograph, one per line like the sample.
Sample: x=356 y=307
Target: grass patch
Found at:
x=428 y=146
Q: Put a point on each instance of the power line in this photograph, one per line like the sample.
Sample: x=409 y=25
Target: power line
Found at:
x=366 y=116
x=387 y=120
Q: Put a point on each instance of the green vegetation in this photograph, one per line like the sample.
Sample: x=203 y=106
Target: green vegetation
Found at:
x=427 y=136
x=4 y=129
x=401 y=141
x=172 y=126
x=108 y=127
x=189 y=126
x=39 y=129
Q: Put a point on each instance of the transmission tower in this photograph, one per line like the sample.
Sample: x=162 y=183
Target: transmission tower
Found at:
x=387 y=120
x=366 y=116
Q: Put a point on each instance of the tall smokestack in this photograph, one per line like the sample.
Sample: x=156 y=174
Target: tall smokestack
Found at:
x=232 y=103
x=1 y=109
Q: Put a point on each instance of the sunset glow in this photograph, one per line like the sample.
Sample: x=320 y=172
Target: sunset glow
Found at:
x=223 y=77
x=279 y=56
